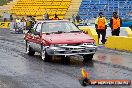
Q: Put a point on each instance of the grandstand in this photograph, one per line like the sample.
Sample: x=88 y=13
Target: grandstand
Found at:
x=91 y=8
x=39 y=7
x=65 y=8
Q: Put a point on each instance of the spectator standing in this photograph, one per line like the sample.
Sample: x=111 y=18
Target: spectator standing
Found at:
x=73 y=18
x=18 y=19
x=115 y=24
x=11 y=18
x=78 y=18
x=101 y=26
x=55 y=17
x=32 y=22
x=5 y=19
x=23 y=19
x=46 y=16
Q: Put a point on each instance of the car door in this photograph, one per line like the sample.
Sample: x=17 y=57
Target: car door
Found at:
x=37 y=38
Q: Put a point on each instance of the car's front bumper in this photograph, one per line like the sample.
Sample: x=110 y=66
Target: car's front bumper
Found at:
x=71 y=50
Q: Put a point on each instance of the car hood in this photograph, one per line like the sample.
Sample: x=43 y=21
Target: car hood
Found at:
x=67 y=38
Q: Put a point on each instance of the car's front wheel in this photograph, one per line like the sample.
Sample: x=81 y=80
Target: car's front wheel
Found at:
x=88 y=57
x=44 y=55
x=29 y=50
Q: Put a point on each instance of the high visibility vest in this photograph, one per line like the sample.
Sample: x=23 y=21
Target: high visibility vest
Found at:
x=116 y=23
x=101 y=23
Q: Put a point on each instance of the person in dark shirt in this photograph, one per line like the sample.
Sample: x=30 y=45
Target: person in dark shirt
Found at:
x=115 y=24
x=33 y=22
x=78 y=18
x=11 y=18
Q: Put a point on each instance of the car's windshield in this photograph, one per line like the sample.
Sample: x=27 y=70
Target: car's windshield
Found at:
x=50 y=27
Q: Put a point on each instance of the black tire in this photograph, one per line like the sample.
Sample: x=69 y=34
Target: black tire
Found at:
x=45 y=56
x=88 y=57
x=29 y=50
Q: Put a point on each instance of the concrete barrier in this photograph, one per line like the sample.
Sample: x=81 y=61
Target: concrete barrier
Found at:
x=119 y=43
x=91 y=32
x=11 y=24
x=4 y=24
x=129 y=32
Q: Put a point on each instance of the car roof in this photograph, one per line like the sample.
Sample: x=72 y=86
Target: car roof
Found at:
x=46 y=21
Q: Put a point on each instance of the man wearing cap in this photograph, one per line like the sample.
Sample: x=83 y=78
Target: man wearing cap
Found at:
x=115 y=24
x=101 y=26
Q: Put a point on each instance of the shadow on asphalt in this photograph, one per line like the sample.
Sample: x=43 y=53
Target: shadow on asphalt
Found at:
x=74 y=61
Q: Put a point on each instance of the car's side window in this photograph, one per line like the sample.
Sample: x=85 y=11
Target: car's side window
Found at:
x=38 y=28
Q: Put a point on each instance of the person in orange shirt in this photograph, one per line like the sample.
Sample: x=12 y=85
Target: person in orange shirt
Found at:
x=115 y=24
x=55 y=17
x=23 y=19
x=101 y=26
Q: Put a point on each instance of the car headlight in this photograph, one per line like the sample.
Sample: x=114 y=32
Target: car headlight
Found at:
x=91 y=43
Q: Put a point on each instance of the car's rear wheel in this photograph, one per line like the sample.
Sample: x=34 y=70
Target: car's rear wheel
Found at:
x=45 y=56
x=88 y=57
x=29 y=50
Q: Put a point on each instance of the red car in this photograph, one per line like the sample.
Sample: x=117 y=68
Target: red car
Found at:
x=59 y=38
